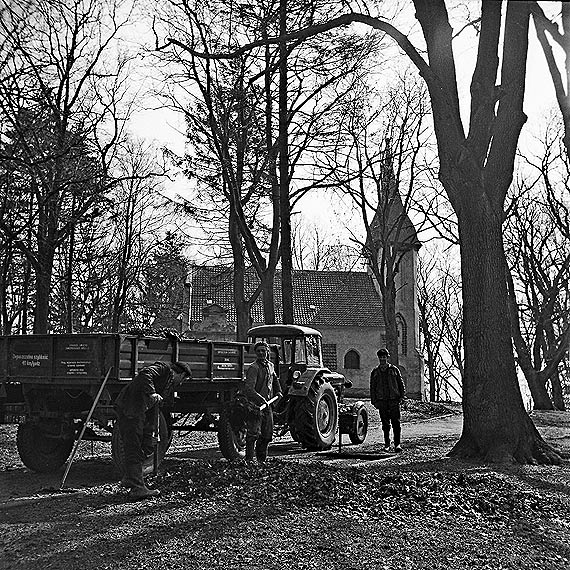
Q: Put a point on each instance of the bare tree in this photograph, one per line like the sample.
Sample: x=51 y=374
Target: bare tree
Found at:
x=537 y=237
x=548 y=31
x=314 y=248
x=59 y=105
x=439 y=301
x=101 y=282
x=139 y=215
x=234 y=114
x=376 y=165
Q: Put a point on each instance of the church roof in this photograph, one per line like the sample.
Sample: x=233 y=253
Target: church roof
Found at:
x=321 y=298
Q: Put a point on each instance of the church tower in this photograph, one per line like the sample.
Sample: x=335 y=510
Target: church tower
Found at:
x=395 y=241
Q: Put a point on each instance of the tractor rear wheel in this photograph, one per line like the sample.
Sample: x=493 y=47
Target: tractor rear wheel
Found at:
x=40 y=450
x=314 y=418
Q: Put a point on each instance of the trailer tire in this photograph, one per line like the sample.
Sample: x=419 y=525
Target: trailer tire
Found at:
x=118 y=454
x=232 y=443
x=40 y=452
x=359 y=427
x=315 y=416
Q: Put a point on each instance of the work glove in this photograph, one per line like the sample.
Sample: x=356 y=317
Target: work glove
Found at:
x=157 y=399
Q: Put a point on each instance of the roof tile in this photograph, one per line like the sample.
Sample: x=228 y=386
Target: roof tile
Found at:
x=321 y=298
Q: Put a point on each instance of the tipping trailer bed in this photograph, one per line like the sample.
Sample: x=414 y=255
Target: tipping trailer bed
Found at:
x=35 y=369
x=48 y=384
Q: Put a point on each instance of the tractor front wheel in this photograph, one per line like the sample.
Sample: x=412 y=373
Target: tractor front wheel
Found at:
x=359 y=427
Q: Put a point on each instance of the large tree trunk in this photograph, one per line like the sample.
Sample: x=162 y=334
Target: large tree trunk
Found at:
x=267 y=294
x=69 y=282
x=389 y=306
x=496 y=426
x=43 y=288
x=26 y=296
x=285 y=201
x=41 y=315
x=540 y=397
x=243 y=320
x=557 y=393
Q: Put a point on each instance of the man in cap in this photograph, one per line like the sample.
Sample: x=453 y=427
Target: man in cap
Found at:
x=136 y=411
x=387 y=391
x=261 y=384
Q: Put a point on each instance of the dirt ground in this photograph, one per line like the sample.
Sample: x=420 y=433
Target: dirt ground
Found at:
x=302 y=510
x=92 y=465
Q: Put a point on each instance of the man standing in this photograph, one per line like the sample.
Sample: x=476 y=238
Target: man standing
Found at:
x=136 y=407
x=261 y=384
x=387 y=391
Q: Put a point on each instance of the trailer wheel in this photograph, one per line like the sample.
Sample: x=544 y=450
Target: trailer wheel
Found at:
x=231 y=442
x=359 y=427
x=315 y=417
x=148 y=464
x=39 y=451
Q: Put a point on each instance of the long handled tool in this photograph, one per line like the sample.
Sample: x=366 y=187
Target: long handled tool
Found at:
x=156 y=439
x=267 y=404
x=95 y=402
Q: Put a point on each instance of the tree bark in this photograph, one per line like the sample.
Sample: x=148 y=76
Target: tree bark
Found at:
x=43 y=287
x=285 y=200
x=243 y=319
x=267 y=293
x=389 y=306
x=557 y=394
x=496 y=426
x=6 y=259
x=69 y=279
x=536 y=384
x=44 y=270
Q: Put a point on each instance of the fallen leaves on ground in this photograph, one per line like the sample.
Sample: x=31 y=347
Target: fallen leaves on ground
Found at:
x=416 y=511
x=285 y=484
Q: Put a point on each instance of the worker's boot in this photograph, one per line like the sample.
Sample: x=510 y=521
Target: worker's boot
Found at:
x=250 y=450
x=132 y=476
x=143 y=493
x=126 y=483
x=397 y=435
x=261 y=450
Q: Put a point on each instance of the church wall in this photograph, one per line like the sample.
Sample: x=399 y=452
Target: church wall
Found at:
x=407 y=306
x=365 y=341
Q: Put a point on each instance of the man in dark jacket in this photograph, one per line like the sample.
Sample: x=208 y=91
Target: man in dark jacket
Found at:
x=387 y=391
x=261 y=384
x=136 y=407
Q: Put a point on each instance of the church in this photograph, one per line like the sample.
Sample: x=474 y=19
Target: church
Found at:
x=345 y=306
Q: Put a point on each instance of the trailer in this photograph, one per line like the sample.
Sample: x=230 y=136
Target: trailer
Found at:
x=48 y=384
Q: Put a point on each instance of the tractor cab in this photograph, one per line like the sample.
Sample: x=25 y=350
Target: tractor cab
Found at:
x=299 y=348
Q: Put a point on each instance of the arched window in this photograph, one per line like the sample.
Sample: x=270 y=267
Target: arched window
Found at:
x=352 y=360
x=402 y=334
